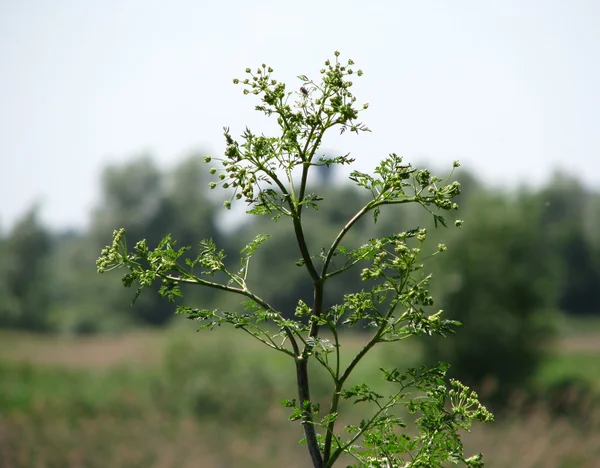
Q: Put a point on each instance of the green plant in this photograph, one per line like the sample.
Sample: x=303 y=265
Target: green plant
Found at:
x=270 y=174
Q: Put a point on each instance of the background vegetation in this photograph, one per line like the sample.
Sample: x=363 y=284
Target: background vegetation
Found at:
x=87 y=380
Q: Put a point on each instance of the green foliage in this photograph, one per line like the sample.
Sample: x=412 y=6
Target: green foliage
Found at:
x=142 y=199
x=270 y=173
x=501 y=286
x=568 y=223
x=153 y=395
x=26 y=294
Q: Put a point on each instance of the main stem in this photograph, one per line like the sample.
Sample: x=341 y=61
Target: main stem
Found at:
x=307 y=416
x=303 y=383
x=302 y=359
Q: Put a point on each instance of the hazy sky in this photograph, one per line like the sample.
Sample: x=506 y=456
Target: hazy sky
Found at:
x=510 y=88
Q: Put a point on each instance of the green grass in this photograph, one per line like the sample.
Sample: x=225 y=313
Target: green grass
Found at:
x=580 y=326
x=176 y=398
x=584 y=366
x=184 y=367
x=179 y=391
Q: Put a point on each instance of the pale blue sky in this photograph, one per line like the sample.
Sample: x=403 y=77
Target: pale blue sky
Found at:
x=511 y=88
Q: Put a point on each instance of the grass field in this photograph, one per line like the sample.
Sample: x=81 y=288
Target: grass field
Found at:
x=178 y=399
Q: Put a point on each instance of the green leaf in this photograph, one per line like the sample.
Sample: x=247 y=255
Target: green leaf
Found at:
x=376 y=213
x=439 y=219
x=254 y=244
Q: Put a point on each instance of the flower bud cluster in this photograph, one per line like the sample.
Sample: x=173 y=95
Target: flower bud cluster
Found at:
x=442 y=197
x=111 y=256
x=260 y=158
x=396 y=262
x=340 y=106
x=260 y=81
x=233 y=173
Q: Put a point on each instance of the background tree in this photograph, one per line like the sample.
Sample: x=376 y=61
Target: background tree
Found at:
x=148 y=201
x=500 y=282
x=26 y=282
x=567 y=224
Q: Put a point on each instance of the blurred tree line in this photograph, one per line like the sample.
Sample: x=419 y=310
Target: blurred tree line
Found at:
x=521 y=257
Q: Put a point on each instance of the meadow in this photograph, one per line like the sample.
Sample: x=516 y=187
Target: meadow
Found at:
x=175 y=398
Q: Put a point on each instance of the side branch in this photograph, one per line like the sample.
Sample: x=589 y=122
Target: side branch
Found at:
x=364 y=210
x=243 y=292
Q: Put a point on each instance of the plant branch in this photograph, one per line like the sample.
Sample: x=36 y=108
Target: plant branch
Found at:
x=376 y=338
x=338 y=388
x=271 y=344
x=244 y=292
x=324 y=363
x=369 y=424
x=365 y=209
